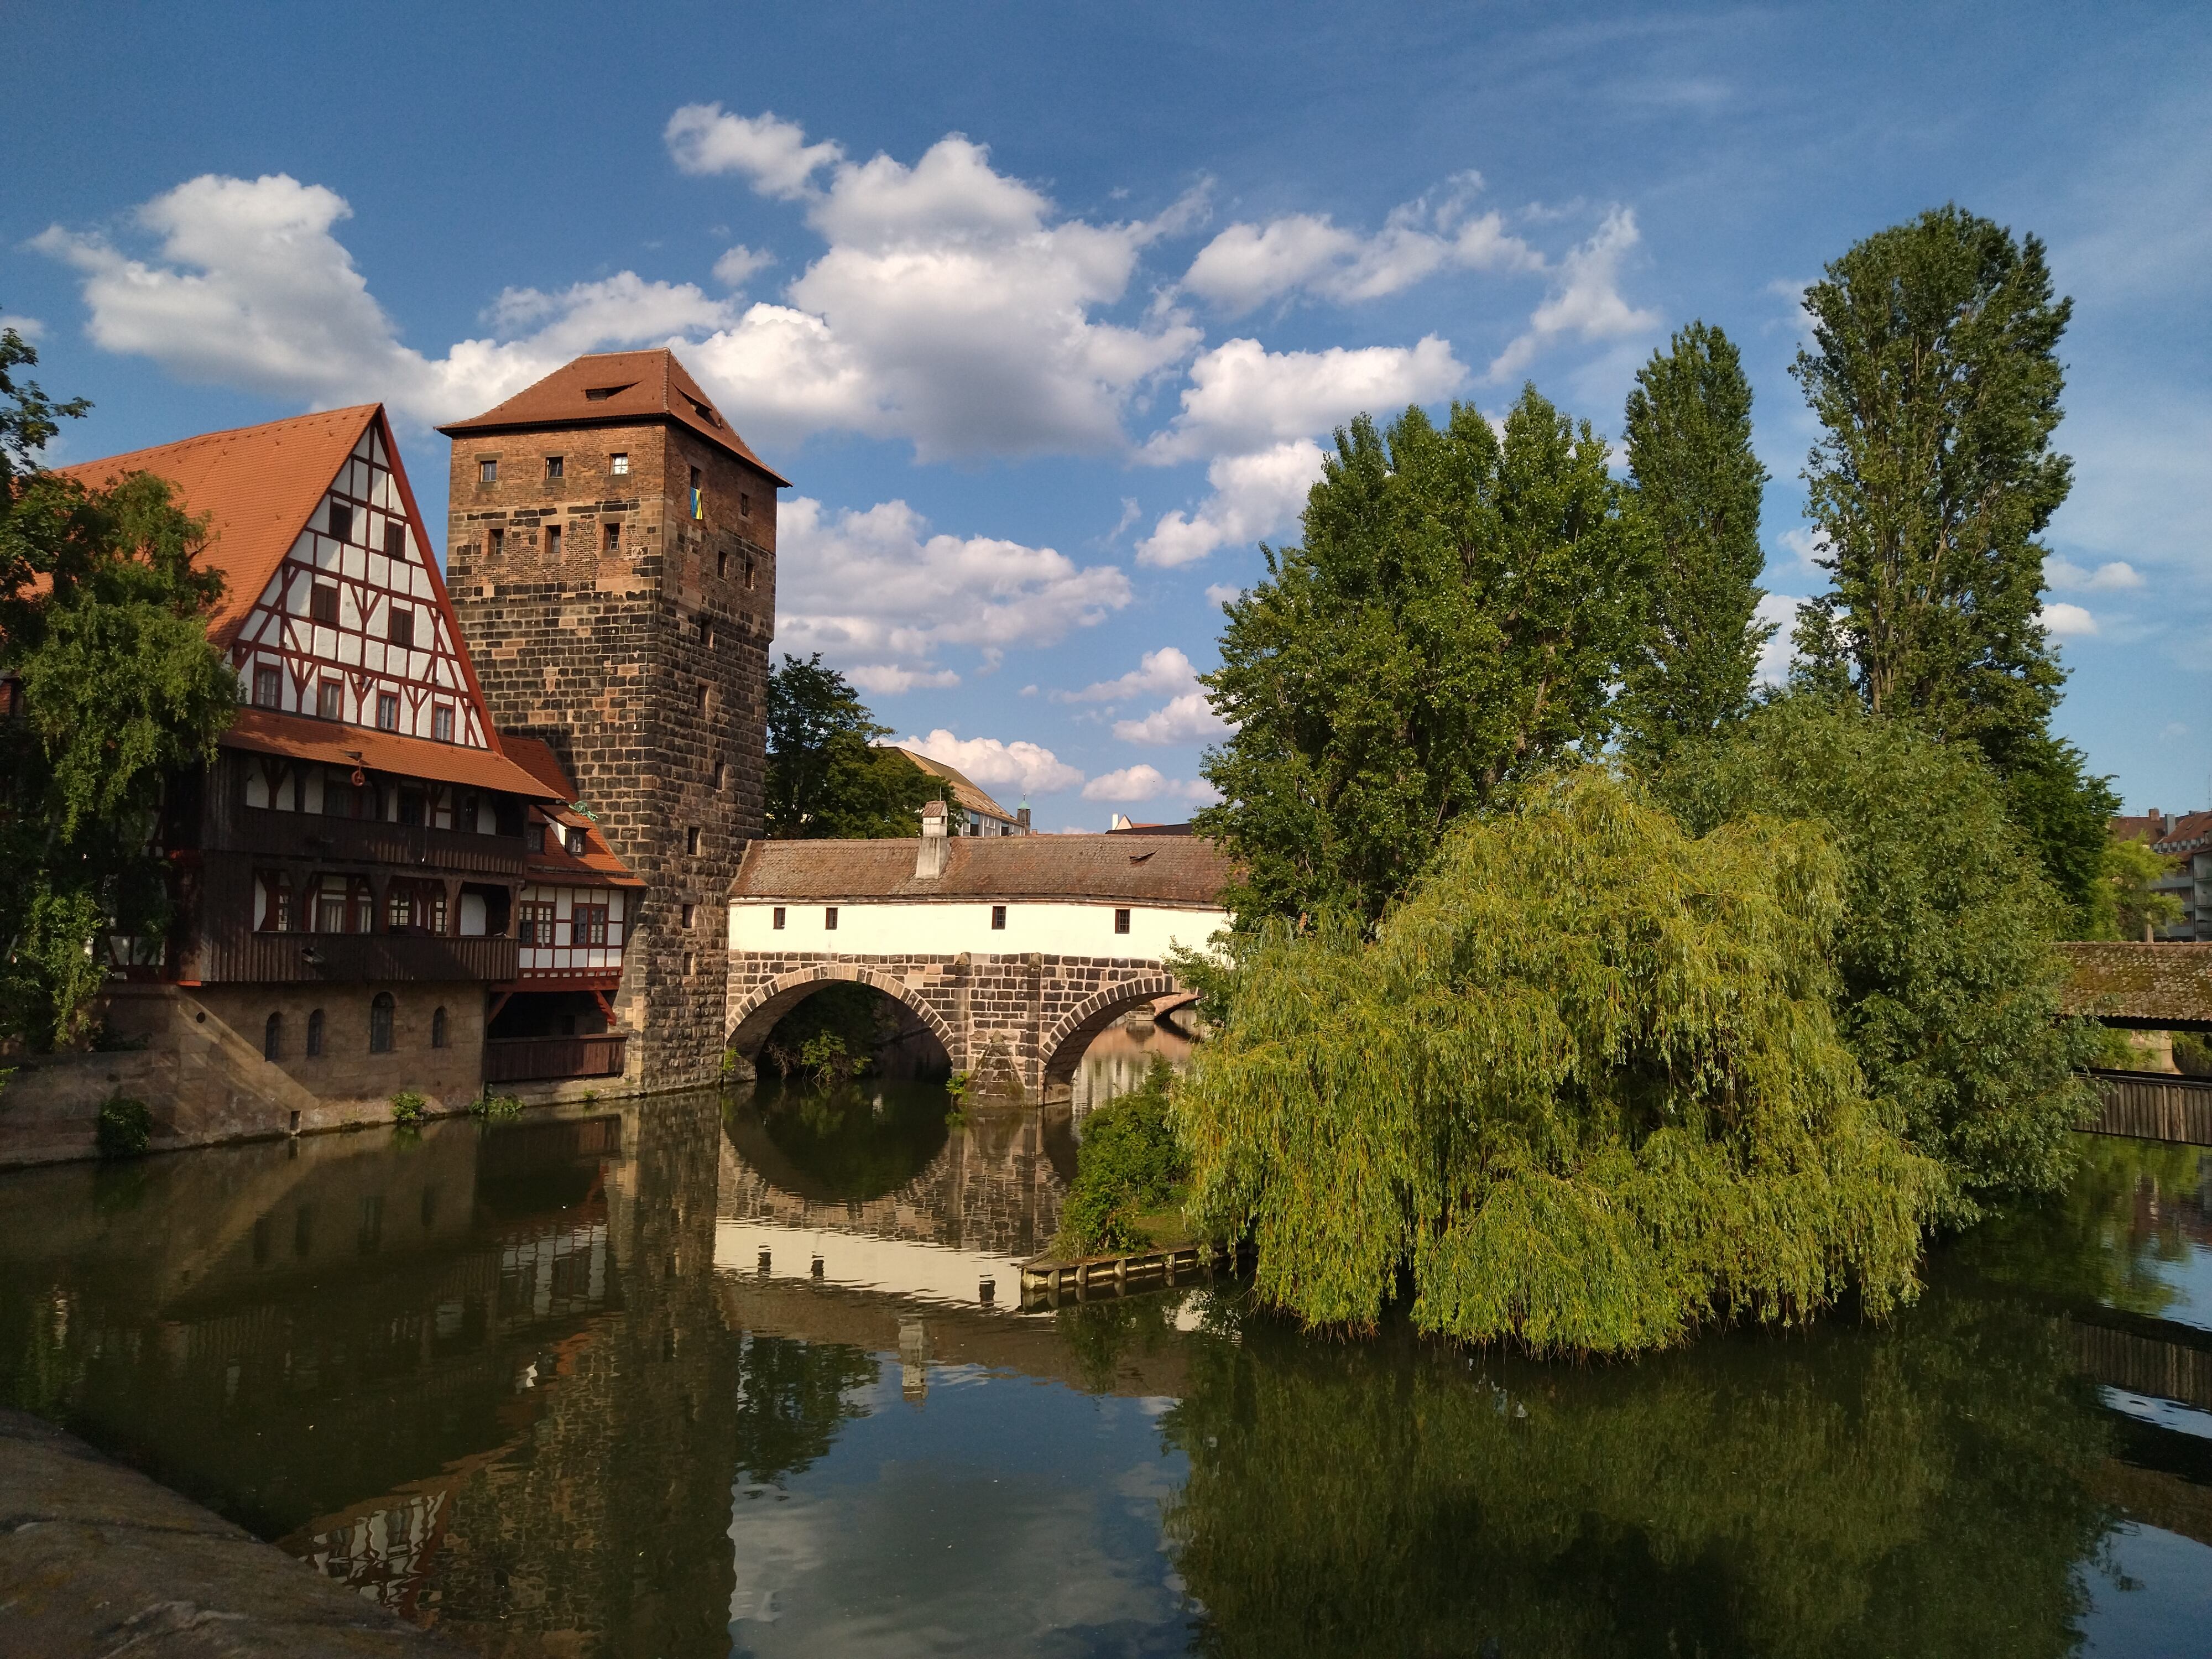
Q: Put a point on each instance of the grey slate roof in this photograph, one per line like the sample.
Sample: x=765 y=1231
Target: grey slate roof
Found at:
x=1161 y=870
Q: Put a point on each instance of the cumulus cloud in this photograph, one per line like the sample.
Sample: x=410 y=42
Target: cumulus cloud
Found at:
x=1166 y=670
x=1248 y=264
x=880 y=595
x=1141 y=782
x=1810 y=546
x=30 y=328
x=773 y=154
x=1187 y=719
x=2069 y=621
x=1254 y=496
x=1585 y=298
x=1223 y=593
x=250 y=288
x=1243 y=397
x=1776 y=658
x=739 y=264
x=995 y=765
x=2115 y=576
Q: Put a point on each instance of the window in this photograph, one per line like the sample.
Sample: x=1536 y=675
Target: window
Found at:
x=438 y=1039
x=400 y=629
x=494 y=541
x=553 y=469
x=577 y=842
x=744 y=505
x=329 y=700
x=720 y=770
x=829 y=919
x=345 y=799
x=748 y=572
x=414 y=807
x=703 y=696
x=552 y=541
x=387 y=711
x=340 y=522
x=267 y=686
x=698 y=497
x=465 y=814
x=272 y=1038
x=380 y=1023
x=398 y=908
x=777 y=920
x=276 y=901
x=441 y=721
x=691 y=842
x=537 y=919
x=488 y=468
x=587 y=924
x=997 y=918
x=618 y=465
x=687 y=964
x=1121 y=921
x=533 y=837
x=613 y=536
x=323 y=604
x=395 y=539
x=690 y=912
x=315 y=1048
x=721 y=564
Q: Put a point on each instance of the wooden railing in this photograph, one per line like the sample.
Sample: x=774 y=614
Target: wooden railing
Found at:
x=352 y=958
x=353 y=840
x=526 y=1060
x=2154 y=1106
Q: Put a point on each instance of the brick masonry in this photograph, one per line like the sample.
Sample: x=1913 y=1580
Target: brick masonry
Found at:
x=1019 y=1023
x=638 y=649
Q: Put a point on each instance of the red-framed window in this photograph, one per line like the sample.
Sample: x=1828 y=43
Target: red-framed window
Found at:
x=587 y=924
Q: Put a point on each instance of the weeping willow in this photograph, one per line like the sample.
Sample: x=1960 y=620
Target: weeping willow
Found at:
x=1584 y=1087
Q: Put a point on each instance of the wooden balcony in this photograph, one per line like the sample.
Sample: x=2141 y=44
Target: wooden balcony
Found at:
x=536 y=1060
x=351 y=958
x=352 y=841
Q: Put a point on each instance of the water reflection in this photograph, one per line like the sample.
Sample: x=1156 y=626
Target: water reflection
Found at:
x=536 y=1386
x=1120 y=1056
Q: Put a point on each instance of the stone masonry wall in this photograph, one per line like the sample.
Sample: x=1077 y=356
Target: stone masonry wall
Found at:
x=1018 y=1022
x=642 y=661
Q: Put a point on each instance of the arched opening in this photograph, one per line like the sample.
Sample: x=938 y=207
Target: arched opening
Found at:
x=916 y=1042
x=272 y=1038
x=848 y=1024
x=381 y=1011
x=315 y=1035
x=1118 y=1023
x=438 y=1034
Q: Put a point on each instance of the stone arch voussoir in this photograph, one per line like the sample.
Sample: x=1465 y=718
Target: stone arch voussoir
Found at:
x=1063 y=1046
x=753 y=1019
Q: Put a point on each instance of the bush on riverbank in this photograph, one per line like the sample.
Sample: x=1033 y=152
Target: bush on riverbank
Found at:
x=125 y=1127
x=1129 y=1167
x=1584 y=1086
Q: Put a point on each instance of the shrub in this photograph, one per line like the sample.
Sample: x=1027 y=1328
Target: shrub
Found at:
x=124 y=1128
x=497 y=1109
x=407 y=1108
x=1128 y=1164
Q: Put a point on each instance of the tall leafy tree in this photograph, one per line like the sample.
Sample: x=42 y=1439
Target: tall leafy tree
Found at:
x=1934 y=373
x=117 y=692
x=1455 y=621
x=826 y=777
x=1695 y=491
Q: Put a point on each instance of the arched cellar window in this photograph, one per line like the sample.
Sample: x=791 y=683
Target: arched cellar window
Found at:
x=272 y=1038
x=380 y=1023
x=437 y=1029
x=315 y=1035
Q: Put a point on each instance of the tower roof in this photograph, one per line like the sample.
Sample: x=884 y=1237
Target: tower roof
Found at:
x=616 y=388
x=257 y=485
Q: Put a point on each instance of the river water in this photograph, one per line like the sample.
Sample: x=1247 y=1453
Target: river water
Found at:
x=704 y=1378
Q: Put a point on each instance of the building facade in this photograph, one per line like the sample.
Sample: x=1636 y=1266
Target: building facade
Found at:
x=2185 y=840
x=610 y=551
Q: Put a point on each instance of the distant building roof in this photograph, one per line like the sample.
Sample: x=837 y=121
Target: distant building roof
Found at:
x=2154 y=986
x=962 y=791
x=1130 y=827
x=1183 y=871
x=616 y=388
x=297 y=737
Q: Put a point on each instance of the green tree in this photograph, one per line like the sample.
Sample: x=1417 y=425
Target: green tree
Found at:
x=1584 y=1086
x=103 y=628
x=1949 y=988
x=1935 y=374
x=826 y=777
x=2129 y=904
x=1695 y=492
x=1455 y=622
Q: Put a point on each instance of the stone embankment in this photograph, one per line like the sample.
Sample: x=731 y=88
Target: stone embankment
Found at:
x=99 y=1562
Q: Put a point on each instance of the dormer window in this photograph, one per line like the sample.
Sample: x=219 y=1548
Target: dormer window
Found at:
x=575 y=841
x=703 y=412
x=599 y=394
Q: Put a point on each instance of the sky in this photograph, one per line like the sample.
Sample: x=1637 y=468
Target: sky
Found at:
x=1049 y=311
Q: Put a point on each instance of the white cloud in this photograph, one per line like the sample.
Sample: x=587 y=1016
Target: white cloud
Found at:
x=740 y=263
x=2069 y=621
x=773 y=154
x=2065 y=576
x=1243 y=397
x=1585 y=298
x=1166 y=670
x=1776 y=658
x=1224 y=593
x=30 y=328
x=988 y=762
x=1254 y=497
x=1810 y=545
x=886 y=681
x=250 y=288
x=2172 y=730
x=1141 y=782
x=1187 y=719
x=1248 y=264
x=878 y=595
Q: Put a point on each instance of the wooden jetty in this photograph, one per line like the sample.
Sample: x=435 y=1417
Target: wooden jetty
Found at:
x=1047 y=1283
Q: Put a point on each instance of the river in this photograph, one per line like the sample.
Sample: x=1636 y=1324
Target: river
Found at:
x=705 y=1377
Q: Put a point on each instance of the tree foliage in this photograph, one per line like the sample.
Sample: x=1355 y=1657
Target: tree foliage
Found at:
x=1584 y=1086
x=1455 y=622
x=1695 y=492
x=826 y=777
x=103 y=623
x=1949 y=988
x=2129 y=904
x=1128 y=1166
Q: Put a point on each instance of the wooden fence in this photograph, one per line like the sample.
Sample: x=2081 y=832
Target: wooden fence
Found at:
x=526 y=1060
x=2145 y=1366
x=2154 y=1106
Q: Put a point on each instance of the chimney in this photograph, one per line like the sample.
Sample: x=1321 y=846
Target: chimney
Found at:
x=1022 y=818
x=929 y=860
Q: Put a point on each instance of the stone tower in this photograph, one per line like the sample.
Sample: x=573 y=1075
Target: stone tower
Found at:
x=612 y=558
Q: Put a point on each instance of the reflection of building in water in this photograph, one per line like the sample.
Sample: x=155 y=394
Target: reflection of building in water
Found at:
x=1119 y=1057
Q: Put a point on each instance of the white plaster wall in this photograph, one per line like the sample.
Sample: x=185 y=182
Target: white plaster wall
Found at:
x=945 y=927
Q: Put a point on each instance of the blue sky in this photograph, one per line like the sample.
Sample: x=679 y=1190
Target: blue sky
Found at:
x=1046 y=307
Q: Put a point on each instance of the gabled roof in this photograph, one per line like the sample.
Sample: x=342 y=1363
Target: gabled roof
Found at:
x=298 y=737
x=257 y=484
x=1170 y=871
x=962 y=791
x=616 y=388
x=596 y=866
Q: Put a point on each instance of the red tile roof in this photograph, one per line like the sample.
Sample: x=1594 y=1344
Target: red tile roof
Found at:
x=257 y=484
x=635 y=386
x=1167 y=871
x=266 y=731
x=962 y=791
x=596 y=866
x=536 y=756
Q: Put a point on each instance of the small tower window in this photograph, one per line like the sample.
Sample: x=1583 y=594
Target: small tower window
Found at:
x=552 y=541
x=721 y=564
x=690 y=915
x=748 y=572
x=613 y=537
x=722 y=769
x=553 y=469
x=691 y=842
x=488 y=470
x=495 y=541
x=618 y=465
x=744 y=505
x=1121 y=921
x=267 y=686
x=272 y=1038
x=380 y=1023
x=997 y=918
x=401 y=627
x=829 y=919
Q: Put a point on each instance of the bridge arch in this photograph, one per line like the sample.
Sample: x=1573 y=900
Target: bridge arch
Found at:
x=1063 y=1045
x=755 y=1016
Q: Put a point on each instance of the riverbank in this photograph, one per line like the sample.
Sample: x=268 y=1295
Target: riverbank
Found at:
x=96 y=1559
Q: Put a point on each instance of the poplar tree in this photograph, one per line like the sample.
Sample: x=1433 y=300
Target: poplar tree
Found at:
x=1695 y=491
x=1455 y=622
